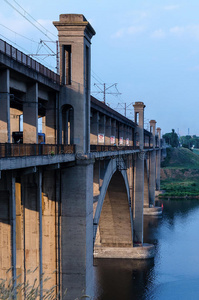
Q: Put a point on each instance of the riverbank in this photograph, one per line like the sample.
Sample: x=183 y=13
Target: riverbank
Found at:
x=180 y=174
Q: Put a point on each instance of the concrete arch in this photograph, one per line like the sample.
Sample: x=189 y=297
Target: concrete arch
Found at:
x=112 y=168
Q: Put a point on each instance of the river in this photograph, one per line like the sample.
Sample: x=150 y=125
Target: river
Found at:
x=172 y=274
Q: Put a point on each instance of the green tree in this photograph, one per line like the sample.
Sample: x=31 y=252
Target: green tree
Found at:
x=171 y=138
x=189 y=141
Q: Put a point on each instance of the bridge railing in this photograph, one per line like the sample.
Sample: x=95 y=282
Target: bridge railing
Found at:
x=104 y=148
x=17 y=150
x=19 y=56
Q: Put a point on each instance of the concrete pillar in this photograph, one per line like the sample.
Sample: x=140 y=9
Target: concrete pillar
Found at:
x=31 y=227
x=102 y=125
x=121 y=134
x=146 y=185
x=48 y=234
x=113 y=130
x=96 y=178
x=77 y=229
x=139 y=175
x=58 y=229
x=75 y=34
x=127 y=136
x=108 y=131
x=19 y=235
x=14 y=121
x=13 y=224
x=5 y=228
x=152 y=168
x=5 y=106
x=50 y=127
x=124 y=134
x=94 y=127
x=130 y=177
x=158 y=160
x=138 y=198
x=117 y=134
x=30 y=115
x=139 y=120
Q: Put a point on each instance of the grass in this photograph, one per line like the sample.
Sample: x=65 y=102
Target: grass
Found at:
x=180 y=174
x=9 y=290
x=181 y=158
x=180 y=188
x=196 y=151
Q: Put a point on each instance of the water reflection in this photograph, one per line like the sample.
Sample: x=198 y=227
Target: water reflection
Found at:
x=122 y=279
x=174 y=272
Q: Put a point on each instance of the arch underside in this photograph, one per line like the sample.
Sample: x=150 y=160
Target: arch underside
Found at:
x=113 y=213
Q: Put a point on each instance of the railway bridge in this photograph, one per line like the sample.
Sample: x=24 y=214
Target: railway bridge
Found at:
x=76 y=177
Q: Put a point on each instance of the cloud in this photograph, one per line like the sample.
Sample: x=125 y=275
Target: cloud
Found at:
x=189 y=31
x=193 y=31
x=119 y=33
x=177 y=30
x=171 y=7
x=135 y=29
x=131 y=30
x=158 y=34
x=195 y=68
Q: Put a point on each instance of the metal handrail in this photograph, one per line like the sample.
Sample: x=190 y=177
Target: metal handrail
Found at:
x=20 y=150
x=104 y=148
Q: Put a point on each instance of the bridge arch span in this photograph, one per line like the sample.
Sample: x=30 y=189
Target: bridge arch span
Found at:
x=115 y=197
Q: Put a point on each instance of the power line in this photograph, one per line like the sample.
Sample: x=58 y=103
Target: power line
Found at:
x=25 y=50
x=28 y=19
x=104 y=90
x=18 y=34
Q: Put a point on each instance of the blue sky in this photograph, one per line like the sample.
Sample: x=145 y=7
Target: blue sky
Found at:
x=149 y=47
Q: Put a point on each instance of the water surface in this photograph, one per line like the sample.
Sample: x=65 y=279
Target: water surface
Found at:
x=174 y=272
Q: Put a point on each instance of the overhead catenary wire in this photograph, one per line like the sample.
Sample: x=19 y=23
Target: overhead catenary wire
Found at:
x=33 y=18
x=30 y=20
x=25 y=50
x=25 y=37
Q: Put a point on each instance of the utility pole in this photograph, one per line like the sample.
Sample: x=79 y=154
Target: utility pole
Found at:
x=125 y=107
x=105 y=89
x=41 y=43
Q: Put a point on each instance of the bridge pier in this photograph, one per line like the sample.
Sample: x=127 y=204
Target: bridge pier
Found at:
x=154 y=164
x=158 y=160
x=30 y=115
x=77 y=229
x=5 y=106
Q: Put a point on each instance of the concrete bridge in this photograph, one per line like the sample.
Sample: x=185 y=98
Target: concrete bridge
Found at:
x=79 y=189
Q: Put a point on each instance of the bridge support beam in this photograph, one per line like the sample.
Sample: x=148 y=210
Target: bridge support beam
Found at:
x=152 y=169
x=139 y=175
x=50 y=128
x=152 y=209
x=113 y=130
x=77 y=229
x=94 y=128
x=152 y=177
x=108 y=131
x=5 y=106
x=30 y=115
x=158 y=160
x=138 y=199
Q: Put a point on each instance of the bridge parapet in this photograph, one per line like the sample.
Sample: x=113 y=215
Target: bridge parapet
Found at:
x=26 y=60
